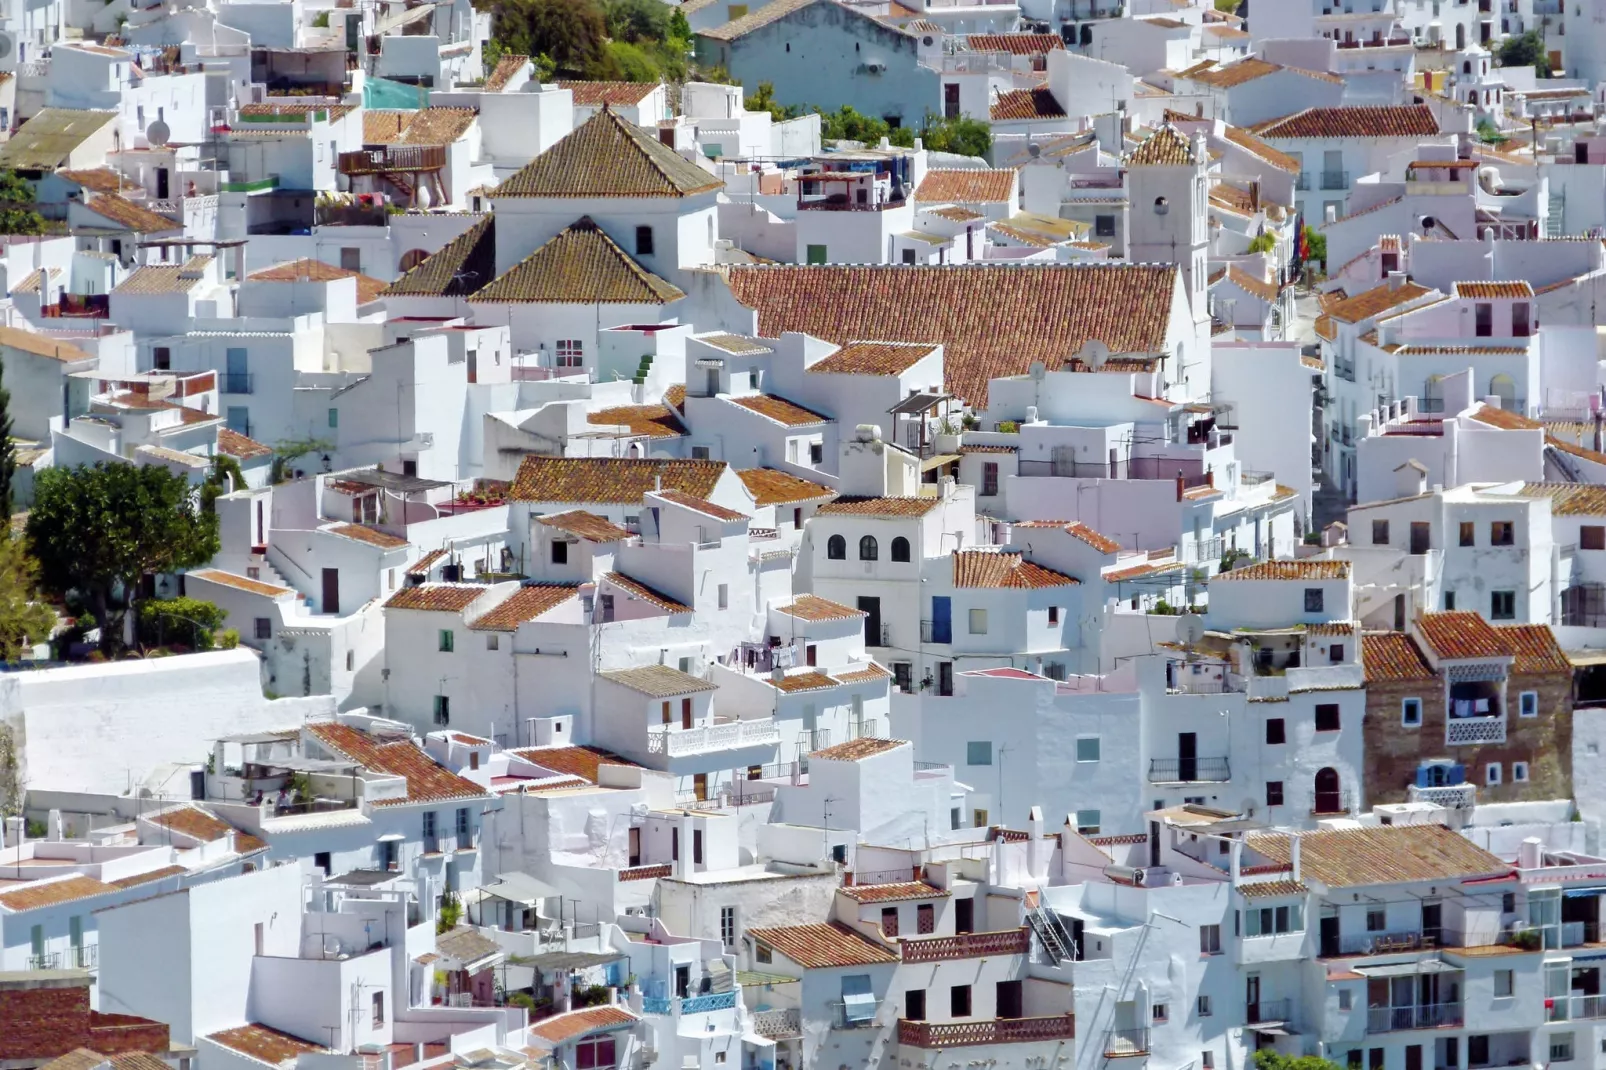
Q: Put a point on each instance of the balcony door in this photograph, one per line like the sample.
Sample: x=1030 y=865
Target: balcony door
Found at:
x=1187 y=756
x=1252 y=998
x=871 y=608
x=1009 y=999
x=942 y=619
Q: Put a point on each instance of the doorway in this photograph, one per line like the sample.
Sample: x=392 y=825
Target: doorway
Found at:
x=871 y=608
x=331 y=591
x=1187 y=756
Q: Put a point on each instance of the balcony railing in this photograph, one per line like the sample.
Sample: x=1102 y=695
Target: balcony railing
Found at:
x=1423 y=1016
x=85 y=957
x=1269 y=1010
x=713 y=1001
x=1574 y=1008
x=1388 y=943
x=778 y=1025
x=673 y=741
x=1459 y=730
x=48 y=960
x=1335 y=180
x=393 y=159
x=1576 y=933
x=1122 y=1042
x=1302 y=181
x=237 y=383
x=1189 y=770
x=1454 y=796
x=967 y=945
x=993 y=1031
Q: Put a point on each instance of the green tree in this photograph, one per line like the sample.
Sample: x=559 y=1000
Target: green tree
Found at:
x=1527 y=50
x=633 y=61
x=287 y=452
x=96 y=531
x=763 y=99
x=847 y=124
x=224 y=468
x=1264 y=242
x=17 y=215
x=189 y=621
x=638 y=20
x=966 y=137
x=1315 y=245
x=573 y=33
x=1270 y=1059
x=24 y=619
x=8 y=452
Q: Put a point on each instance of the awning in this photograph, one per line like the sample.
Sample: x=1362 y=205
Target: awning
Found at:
x=391 y=837
x=938 y=461
x=1273 y=1029
x=567 y=960
x=1406 y=969
x=858 y=1006
x=520 y=887
x=1581 y=893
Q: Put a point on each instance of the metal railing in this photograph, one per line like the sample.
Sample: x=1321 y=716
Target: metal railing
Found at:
x=992 y=1031
x=84 y=957
x=393 y=158
x=1302 y=182
x=713 y=1001
x=237 y=383
x=1335 y=180
x=48 y=960
x=967 y=945
x=1574 y=1008
x=1189 y=770
x=1119 y=1042
x=1330 y=802
x=1269 y=1010
x=1422 y=1016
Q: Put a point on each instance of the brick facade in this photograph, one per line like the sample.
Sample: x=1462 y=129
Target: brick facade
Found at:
x=46 y=1015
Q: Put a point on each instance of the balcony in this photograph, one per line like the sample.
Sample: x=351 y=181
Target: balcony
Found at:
x=1269 y=1010
x=47 y=960
x=1452 y=796
x=967 y=945
x=1302 y=182
x=778 y=1025
x=86 y=957
x=1422 y=1016
x=1189 y=770
x=713 y=1001
x=1335 y=180
x=1578 y=933
x=675 y=742
x=993 y=1031
x=838 y=202
x=393 y=159
x=1574 y=1008
x=1381 y=943
x=857 y=1016
x=1345 y=370
x=1121 y=1043
x=237 y=383
x=1463 y=730
x=350 y=215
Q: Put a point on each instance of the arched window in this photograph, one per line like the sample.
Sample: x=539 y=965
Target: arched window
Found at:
x=868 y=551
x=900 y=549
x=1328 y=798
x=411 y=259
x=1504 y=387
x=836 y=548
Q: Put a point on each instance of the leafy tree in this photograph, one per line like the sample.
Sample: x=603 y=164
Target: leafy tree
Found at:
x=966 y=137
x=763 y=99
x=1315 y=245
x=217 y=480
x=1527 y=50
x=96 y=531
x=8 y=452
x=574 y=33
x=190 y=621
x=24 y=619
x=847 y=124
x=1263 y=242
x=17 y=215
x=638 y=20
x=679 y=28
x=289 y=451
x=634 y=64
x=1270 y=1059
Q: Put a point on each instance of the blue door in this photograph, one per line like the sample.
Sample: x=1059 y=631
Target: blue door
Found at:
x=237 y=377
x=942 y=619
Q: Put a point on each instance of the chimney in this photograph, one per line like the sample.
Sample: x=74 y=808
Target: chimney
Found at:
x=1530 y=854
x=1182 y=485
x=1034 y=843
x=55 y=827
x=683 y=860
x=1396 y=280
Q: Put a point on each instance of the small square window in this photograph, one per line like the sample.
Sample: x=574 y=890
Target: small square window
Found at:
x=1313 y=600
x=264 y=627
x=1327 y=717
x=979 y=752
x=1469 y=536
x=1502 y=605
x=1503 y=983
x=1592 y=537
x=643 y=241
x=1380 y=533
x=448 y=640
x=1276 y=731
x=1207 y=1060
x=978 y=622
x=1162 y=1012
x=1376 y=920
x=493 y=641
x=334 y=417
x=1203 y=1006
x=1335 y=653
x=1502 y=533
x=1411 y=712
x=1210 y=939
x=1087 y=822
x=1104 y=226
x=1519 y=772
x=1528 y=704
x=1491 y=773
x=1053 y=614
x=1561 y=1047
x=1274 y=793
x=1345 y=999
x=560 y=553
x=443 y=710
x=1087 y=749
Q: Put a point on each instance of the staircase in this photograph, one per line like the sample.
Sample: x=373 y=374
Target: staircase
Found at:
x=1553 y=220
x=402 y=183
x=1051 y=934
x=269 y=574
x=641 y=371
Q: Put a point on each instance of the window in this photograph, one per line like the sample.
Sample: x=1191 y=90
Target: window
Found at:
x=978 y=622
x=1345 y=999
x=699 y=453
x=1561 y=1047
x=1275 y=731
x=1209 y=939
x=1380 y=533
x=379 y=1009
x=979 y=752
x=334 y=417
x=594 y=1052
x=1491 y=773
x=643 y=241
x=1376 y=920
x=1520 y=317
x=163 y=357
x=448 y=640
x=605 y=603
x=762 y=953
x=1411 y=712
x=1335 y=653
x=1202 y=1006
x=925 y=918
x=443 y=710
x=1274 y=921
x=429 y=823
x=914 y=1004
x=1503 y=605
x=978 y=818
x=1087 y=822
x=989 y=478
x=900 y=549
x=959 y=1001
x=868 y=549
x=264 y=627
x=1053 y=614
x=493 y=641
x=836 y=548
x=1592 y=537
x=1313 y=600
x=889 y=921
x=1207 y=1059
x=1161 y=1012
x=1501 y=533
x=1519 y=772
x=1449 y=601
x=1528 y=704
x=462 y=811
x=724 y=596
x=1087 y=749
x=1327 y=717
x=816 y=254
x=1104 y=226
x=1468 y=533
x=1483 y=320
x=1274 y=793
x=570 y=353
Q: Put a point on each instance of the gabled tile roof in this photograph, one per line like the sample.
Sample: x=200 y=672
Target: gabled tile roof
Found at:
x=966 y=186
x=1393 y=656
x=1568 y=499
x=582 y=762
x=1410 y=120
x=422 y=566
x=562 y=1027
x=41 y=345
x=1387 y=854
x=884 y=508
x=823 y=945
x=436 y=597
x=1038 y=103
x=873 y=358
x=1016 y=44
x=1310 y=568
x=700 y=505
x=1100 y=542
x=609 y=480
x=581 y=265
x=812 y=607
x=506 y=68
x=892 y=893
x=1460 y=635
x=371 y=536
x=1235 y=74
x=1519 y=289
x=588 y=526
x=770 y=486
x=239 y=446
x=1252 y=144
x=426 y=781
x=658 y=681
x=654 y=421
x=755 y=19
x=1166 y=147
x=241 y=583
x=527 y=603
x=44 y=142
x=99 y=179
x=609 y=157
x=134 y=217
x=165 y=278
x=52 y=893
x=263 y=1044
x=992 y=320
x=193 y=822
x=858 y=749
x=462 y=266
x=646 y=594
x=1534 y=648
x=780 y=410
x=869 y=674
x=309 y=270
x=990 y=568
x=1376 y=301
x=437 y=126
x=596 y=94
x=811 y=680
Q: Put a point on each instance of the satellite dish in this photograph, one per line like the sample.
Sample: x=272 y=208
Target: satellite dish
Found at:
x=926 y=40
x=1190 y=629
x=1038 y=370
x=1094 y=354
x=157 y=134
x=6 y=45
x=1034 y=150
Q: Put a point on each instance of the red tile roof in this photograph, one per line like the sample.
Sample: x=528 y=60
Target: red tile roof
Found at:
x=858 y=749
x=596 y=94
x=966 y=186
x=772 y=487
x=1036 y=103
x=780 y=410
x=646 y=594
x=1411 y=120
x=654 y=421
x=436 y=597
x=892 y=893
x=578 y=1023
x=873 y=358
x=701 y=505
x=264 y=1044
x=1461 y=634
x=1308 y=569
x=237 y=445
x=426 y=781
x=823 y=945
x=575 y=761
x=588 y=526
x=616 y=481
x=527 y=603
x=1535 y=648
x=812 y=607
x=372 y=536
x=1492 y=289
x=1393 y=656
x=308 y=270
x=51 y=893
x=991 y=568
x=883 y=508
x=1102 y=543
x=193 y=822
x=1016 y=44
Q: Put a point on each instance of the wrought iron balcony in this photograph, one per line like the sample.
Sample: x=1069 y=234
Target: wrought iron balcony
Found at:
x=1189 y=770
x=992 y=1031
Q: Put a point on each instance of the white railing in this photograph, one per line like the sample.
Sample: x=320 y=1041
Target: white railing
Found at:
x=675 y=742
x=1456 y=797
x=1475 y=730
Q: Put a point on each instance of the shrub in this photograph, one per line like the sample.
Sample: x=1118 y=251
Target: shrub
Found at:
x=172 y=621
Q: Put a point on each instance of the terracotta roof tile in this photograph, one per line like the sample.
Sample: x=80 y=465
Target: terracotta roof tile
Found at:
x=869 y=674
x=658 y=681
x=372 y=536
x=239 y=446
x=886 y=508
x=609 y=157
x=153 y=875
x=99 y=180
x=308 y=270
x=78 y=1059
x=1135 y=572
x=991 y=568
x=41 y=345
x=1100 y=542
x=1245 y=140
x=966 y=186
x=755 y=19
x=614 y=481
x=596 y=94
x=812 y=607
x=810 y=680
x=191 y=821
x=426 y=781
x=700 y=505
x=1166 y=147
x=436 y=597
x=527 y=603
x=734 y=343
x=873 y=358
x=1376 y=301
x=164 y=278
x=588 y=526
x=780 y=410
x=823 y=945
x=1016 y=44
x=770 y=486
x=992 y=320
x=1235 y=74
x=1492 y=289
x=1535 y=649
x=582 y=762
x=1264 y=289
x=461 y=267
x=654 y=421
x=241 y=583
x=134 y=217
x=506 y=68
x=1038 y=103
x=858 y=749
x=1568 y=499
x=562 y=1027
x=1463 y=634
x=264 y=1044
x=1411 y=120
x=1267 y=889
x=284 y=107
x=437 y=126
x=422 y=565
x=1311 y=568
x=580 y=265
x=1347 y=858
x=646 y=594
x=892 y=893
x=51 y=893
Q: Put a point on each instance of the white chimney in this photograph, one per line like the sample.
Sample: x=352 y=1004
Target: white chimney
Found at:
x=1034 y=843
x=1530 y=854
